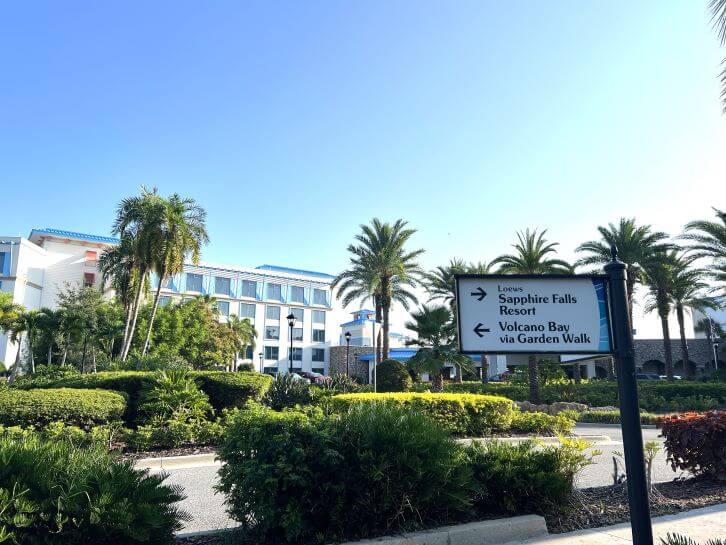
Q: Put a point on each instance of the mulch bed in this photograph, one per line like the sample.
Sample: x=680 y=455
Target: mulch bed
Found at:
x=589 y=507
x=181 y=451
x=606 y=505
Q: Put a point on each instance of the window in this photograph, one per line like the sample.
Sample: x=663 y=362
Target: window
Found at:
x=297 y=333
x=194 y=282
x=318 y=354
x=270 y=370
x=164 y=301
x=91 y=257
x=319 y=370
x=298 y=313
x=272 y=313
x=249 y=352
x=2 y=262
x=88 y=280
x=319 y=317
x=247 y=310
x=272 y=332
x=297 y=354
x=318 y=335
x=320 y=297
x=272 y=353
x=297 y=294
x=274 y=292
x=249 y=288
x=223 y=307
x=221 y=285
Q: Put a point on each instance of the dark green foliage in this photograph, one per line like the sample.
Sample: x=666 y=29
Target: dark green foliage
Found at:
x=375 y=470
x=76 y=407
x=697 y=443
x=678 y=539
x=175 y=396
x=229 y=390
x=52 y=492
x=656 y=396
x=225 y=390
x=286 y=391
x=46 y=376
x=541 y=423
x=517 y=478
x=613 y=417
x=392 y=376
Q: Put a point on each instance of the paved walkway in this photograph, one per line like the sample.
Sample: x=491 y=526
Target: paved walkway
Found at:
x=699 y=524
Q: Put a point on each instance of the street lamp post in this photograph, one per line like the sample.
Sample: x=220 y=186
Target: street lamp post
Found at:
x=291 y=323
x=262 y=365
x=347 y=354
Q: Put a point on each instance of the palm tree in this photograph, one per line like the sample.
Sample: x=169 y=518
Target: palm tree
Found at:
x=441 y=284
x=244 y=335
x=435 y=332
x=688 y=292
x=636 y=244
x=140 y=217
x=9 y=315
x=49 y=328
x=182 y=234
x=659 y=275
x=532 y=256
x=708 y=240
x=381 y=266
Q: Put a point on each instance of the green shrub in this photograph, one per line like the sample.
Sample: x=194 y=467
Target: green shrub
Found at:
x=175 y=396
x=79 y=408
x=174 y=434
x=517 y=479
x=463 y=414
x=159 y=363
x=375 y=470
x=287 y=391
x=697 y=443
x=45 y=376
x=229 y=390
x=52 y=492
x=392 y=376
x=613 y=417
x=541 y=423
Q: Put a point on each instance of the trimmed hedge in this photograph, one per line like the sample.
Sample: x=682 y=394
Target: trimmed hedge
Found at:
x=656 y=396
x=613 y=417
x=464 y=414
x=225 y=390
x=40 y=407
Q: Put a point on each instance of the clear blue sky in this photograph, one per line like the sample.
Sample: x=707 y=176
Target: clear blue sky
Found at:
x=293 y=122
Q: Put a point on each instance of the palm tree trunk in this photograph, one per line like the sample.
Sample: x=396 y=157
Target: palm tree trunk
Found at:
x=127 y=325
x=162 y=274
x=437 y=382
x=611 y=368
x=576 y=372
x=30 y=349
x=630 y=278
x=65 y=351
x=484 y=368
x=667 y=346
x=135 y=315
x=377 y=341
x=687 y=367
x=533 y=372
x=49 y=359
x=16 y=367
x=83 y=357
x=459 y=374
x=386 y=326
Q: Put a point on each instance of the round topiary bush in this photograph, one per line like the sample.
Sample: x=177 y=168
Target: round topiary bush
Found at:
x=392 y=376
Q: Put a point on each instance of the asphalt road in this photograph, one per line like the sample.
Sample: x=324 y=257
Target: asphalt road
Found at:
x=208 y=512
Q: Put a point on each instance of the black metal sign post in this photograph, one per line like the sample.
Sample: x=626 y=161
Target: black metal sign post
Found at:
x=629 y=408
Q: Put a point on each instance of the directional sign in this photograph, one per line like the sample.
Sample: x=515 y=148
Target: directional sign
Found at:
x=558 y=314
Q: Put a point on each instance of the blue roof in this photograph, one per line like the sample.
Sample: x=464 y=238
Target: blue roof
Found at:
x=72 y=234
x=364 y=310
x=357 y=322
x=294 y=271
x=394 y=354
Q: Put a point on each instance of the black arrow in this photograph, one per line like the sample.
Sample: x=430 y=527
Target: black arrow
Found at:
x=479 y=293
x=480 y=329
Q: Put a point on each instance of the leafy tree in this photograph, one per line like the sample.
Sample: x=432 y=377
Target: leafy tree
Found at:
x=182 y=232
x=636 y=244
x=382 y=266
x=244 y=335
x=435 y=332
x=708 y=240
x=532 y=256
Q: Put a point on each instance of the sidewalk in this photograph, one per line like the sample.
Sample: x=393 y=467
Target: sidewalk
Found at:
x=699 y=524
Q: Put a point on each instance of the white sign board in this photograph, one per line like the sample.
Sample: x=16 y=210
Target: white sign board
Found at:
x=555 y=314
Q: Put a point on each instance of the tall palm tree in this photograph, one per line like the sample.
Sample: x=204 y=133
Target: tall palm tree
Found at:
x=140 y=217
x=708 y=240
x=441 y=284
x=635 y=243
x=9 y=315
x=688 y=292
x=182 y=233
x=718 y=16
x=49 y=328
x=381 y=249
x=659 y=273
x=435 y=331
x=533 y=255
x=244 y=335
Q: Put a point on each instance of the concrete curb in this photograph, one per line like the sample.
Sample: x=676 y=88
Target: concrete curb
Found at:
x=178 y=462
x=486 y=532
x=603 y=425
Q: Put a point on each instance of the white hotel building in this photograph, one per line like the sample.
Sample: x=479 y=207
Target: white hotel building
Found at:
x=36 y=268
